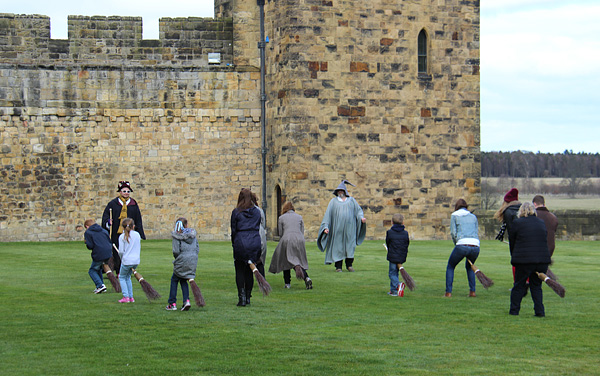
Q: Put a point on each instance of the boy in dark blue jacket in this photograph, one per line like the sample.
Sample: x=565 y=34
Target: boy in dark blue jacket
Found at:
x=97 y=239
x=396 y=241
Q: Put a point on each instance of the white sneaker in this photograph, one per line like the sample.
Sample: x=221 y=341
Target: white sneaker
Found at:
x=287 y=286
x=100 y=290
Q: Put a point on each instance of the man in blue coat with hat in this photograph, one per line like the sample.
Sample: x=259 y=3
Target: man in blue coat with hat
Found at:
x=342 y=229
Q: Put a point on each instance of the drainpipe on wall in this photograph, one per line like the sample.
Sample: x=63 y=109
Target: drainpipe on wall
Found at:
x=263 y=100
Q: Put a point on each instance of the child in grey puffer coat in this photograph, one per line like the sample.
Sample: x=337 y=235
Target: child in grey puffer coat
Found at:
x=185 y=251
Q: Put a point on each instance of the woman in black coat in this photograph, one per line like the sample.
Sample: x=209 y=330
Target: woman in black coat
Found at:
x=529 y=254
x=245 y=239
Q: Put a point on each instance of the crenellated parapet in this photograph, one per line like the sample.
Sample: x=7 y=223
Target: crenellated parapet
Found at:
x=115 y=40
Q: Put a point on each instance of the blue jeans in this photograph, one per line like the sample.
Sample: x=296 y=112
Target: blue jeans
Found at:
x=125 y=280
x=394 y=281
x=185 y=290
x=95 y=272
x=458 y=253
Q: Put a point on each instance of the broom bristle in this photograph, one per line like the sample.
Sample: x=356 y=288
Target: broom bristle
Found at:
x=197 y=294
x=557 y=287
x=150 y=292
x=263 y=285
x=111 y=263
x=551 y=275
x=410 y=283
x=483 y=279
x=299 y=272
x=112 y=278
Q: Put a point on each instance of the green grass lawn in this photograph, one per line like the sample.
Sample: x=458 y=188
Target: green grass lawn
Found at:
x=52 y=324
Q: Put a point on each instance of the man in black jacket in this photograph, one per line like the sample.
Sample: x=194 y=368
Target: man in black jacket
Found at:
x=118 y=209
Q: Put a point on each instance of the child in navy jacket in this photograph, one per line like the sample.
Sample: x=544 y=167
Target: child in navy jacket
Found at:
x=396 y=241
x=97 y=239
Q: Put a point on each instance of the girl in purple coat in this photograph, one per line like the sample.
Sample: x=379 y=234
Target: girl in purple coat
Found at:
x=245 y=239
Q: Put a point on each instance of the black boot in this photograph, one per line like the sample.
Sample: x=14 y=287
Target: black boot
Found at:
x=242 y=298
x=248 y=296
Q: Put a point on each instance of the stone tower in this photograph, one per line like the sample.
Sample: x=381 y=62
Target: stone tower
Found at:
x=348 y=99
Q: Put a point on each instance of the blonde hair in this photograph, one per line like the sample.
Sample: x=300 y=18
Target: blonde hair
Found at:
x=127 y=224
x=398 y=219
x=526 y=210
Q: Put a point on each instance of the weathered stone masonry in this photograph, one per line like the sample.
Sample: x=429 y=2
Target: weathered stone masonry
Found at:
x=344 y=101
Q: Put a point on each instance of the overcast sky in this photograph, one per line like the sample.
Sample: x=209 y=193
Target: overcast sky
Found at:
x=540 y=63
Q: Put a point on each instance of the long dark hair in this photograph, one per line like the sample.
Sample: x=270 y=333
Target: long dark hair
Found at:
x=245 y=199
x=460 y=203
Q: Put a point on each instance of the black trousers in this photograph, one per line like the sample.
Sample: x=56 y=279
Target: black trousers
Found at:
x=244 y=279
x=287 y=276
x=522 y=273
x=349 y=261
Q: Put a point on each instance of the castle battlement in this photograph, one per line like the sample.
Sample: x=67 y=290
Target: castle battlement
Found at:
x=116 y=40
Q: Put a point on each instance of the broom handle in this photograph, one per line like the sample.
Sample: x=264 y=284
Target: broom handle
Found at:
x=542 y=276
x=252 y=266
x=110 y=223
x=473 y=268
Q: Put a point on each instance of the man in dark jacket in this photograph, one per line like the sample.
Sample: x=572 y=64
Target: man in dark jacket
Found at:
x=529 y=255
x=549 y=219
x=396 y=241
x=118 y=209
x=96 y=239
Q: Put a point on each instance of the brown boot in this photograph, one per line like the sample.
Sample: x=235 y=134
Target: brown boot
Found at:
x=448 y=295
x=472 y=294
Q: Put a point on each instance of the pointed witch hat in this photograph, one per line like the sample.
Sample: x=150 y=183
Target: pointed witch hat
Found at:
x=342 y=187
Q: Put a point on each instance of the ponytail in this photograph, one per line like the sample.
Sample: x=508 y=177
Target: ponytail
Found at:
x=128 y=225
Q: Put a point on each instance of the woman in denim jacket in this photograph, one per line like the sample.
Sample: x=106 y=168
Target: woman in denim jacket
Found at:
x=465 y=235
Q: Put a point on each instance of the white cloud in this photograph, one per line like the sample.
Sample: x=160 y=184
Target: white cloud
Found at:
x=540 y=70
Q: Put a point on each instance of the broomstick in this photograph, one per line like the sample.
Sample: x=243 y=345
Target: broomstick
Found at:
x=485 y=281
x=197 y=293
x=111 y=277
x=555 y=286
x=111 y=260
x=551 y=275
x=150 y=292
x=410 y=283
x=299 y=272
x=408 y=280
x=263 y=285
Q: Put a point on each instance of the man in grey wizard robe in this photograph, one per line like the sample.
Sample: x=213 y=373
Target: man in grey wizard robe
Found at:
x=342 y=229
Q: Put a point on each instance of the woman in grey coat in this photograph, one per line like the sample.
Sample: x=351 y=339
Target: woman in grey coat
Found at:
x=291 y=250
x=185 y=251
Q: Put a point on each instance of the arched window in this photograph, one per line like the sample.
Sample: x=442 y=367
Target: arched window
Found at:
x=422 y=52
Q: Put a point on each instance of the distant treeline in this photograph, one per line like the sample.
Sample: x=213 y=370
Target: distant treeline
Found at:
x=521 y=164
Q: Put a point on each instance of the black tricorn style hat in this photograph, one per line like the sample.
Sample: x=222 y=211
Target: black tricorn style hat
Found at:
x=124 y=184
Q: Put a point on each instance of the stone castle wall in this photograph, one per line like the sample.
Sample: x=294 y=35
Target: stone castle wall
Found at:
x=79 y=115
x=344 y=100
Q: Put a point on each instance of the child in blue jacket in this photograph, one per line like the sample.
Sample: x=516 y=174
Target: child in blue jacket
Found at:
x=396 y=241
x=97 y=239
